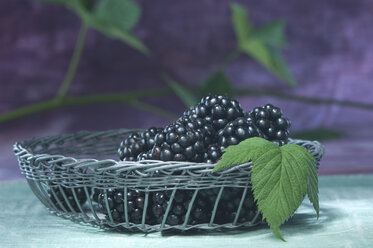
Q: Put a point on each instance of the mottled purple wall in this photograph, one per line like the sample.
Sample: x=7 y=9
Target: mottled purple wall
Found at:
x=329 y=51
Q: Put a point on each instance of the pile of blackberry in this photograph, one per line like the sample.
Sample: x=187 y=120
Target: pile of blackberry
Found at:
x=200 y=135
x=80 y=195
x=203 y=206
x=115 y=204
x=205 y=130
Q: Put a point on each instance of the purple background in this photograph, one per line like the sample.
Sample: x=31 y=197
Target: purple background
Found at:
x=329 y=52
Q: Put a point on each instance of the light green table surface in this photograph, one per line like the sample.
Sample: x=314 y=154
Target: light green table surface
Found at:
x=346 y=220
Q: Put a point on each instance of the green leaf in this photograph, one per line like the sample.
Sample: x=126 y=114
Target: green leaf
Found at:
x=54 y=1
x=183 y=93
x=280 y=177
x=243 y=152
x=115 y=18
x=262 y=43
x=320 y=133
x=123 y=14
x=280 y=68
x=241 y=23
x=217 y=83
x=271 y=34
x=122 y=35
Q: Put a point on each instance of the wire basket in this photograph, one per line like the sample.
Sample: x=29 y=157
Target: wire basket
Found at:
x=77 y=176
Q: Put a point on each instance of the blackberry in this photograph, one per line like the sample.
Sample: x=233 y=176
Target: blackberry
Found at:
x=191 y=112
x=198 y=124
x=136 y=143
x=217 y=110
x=115 y=199
x=238 y=130
x=229 y=203
x=145 y=155
x=178 y=209
x=272 y=123
x=79 y=192
x=179 y=143
x=213 y=153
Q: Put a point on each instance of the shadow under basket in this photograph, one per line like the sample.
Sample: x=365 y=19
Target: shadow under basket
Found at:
x=77 y=176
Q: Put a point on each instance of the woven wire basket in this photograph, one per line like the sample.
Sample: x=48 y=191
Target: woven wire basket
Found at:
x=76 y=175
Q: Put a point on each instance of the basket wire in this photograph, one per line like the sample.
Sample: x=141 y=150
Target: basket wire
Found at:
x=57 y=165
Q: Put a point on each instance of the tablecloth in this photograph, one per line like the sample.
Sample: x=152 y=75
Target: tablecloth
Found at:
x=346 y=220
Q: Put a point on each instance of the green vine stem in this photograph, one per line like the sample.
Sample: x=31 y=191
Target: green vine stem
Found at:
x=70 y=74
x=131 y=98
x=304 y=99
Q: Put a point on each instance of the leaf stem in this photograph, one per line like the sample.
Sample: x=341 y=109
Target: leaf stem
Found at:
x=69 y=76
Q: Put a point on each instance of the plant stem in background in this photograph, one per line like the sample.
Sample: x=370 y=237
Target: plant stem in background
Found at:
x=131 y=97
x=230 y=58
x=153 y=109
x=304 y=99
x=126 y=98
x=70 y=74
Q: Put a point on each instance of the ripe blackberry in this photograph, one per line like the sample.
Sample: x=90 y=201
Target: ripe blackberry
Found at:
x=198 y=124
x=136 y=143
x=79 y=192
x=179 y=143
x=272 y=123
x=178 y=209
x=236 y=131
x=218 y=110
x=145 y=155
x=191 y=112
x=115 y=198
x=229 y=204
x=213 y=153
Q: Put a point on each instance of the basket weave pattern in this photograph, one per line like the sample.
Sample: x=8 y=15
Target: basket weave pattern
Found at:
x=56 y=163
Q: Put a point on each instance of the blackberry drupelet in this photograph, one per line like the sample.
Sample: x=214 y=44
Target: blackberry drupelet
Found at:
x=218 y=110
x=115 y=198
x=272 y=123
x=238 y=130
x=179 y=143
x=80 y=195
x=137 y=143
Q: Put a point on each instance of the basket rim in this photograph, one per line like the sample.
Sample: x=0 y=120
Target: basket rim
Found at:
x=22 y=149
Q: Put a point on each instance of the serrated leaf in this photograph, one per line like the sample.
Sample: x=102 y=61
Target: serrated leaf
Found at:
x=280 y=177
x=123 y=14
x=243 y=152
x=217 y=83
x=183 y=93
x=270 y=34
